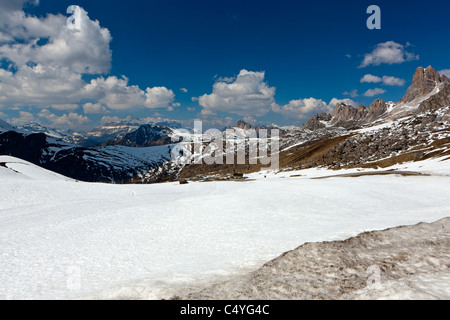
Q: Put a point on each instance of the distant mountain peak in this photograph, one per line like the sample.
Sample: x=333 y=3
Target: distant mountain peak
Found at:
x=5 y=126
x=243 y=125
x=424 y=81
x=146 y=135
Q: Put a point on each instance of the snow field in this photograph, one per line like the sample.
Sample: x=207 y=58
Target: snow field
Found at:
x=66 y=239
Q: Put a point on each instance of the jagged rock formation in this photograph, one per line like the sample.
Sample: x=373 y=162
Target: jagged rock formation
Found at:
x=424 y=82
x=243 y=125
x=318 y=122
x=438 y=101
x=347 y=116
x=376 y=110
x=344 y=113
x=419 y=131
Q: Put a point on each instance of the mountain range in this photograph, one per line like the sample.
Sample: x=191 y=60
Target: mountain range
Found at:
x=385 y=133
x=107 y=134
x=414 y=128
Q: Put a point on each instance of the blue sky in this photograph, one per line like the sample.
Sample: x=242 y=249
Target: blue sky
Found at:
x=263 y=61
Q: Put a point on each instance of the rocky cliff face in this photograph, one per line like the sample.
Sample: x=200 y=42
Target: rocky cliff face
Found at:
x=424 y=81
x=243 y=125
x=376 y=110
x=318 y=122
x=344 y=113
x=347 y=116
x=438 y=101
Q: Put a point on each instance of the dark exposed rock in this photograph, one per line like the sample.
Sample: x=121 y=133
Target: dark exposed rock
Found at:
x=424 y=81
x=439 y=100
x=361 y=112
x=26 y=147
x=343 y=113
x=317 y=122
x=376 y=109
x=243 y=125
x=347 y=116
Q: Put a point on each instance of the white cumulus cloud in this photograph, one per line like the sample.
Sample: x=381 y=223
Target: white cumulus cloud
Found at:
x=39 y=86
x=85 y=50
x=247 y=95
x=66 y=121
x=386 y=80
x=388 y=52
x=368 y=78
x=65 y=107
x=24 y=118
x=445 y=72
x=393 y=81
x=159 y=97
x=353 y=93
x=49 y=60
x=374 y=92
x=94 y=108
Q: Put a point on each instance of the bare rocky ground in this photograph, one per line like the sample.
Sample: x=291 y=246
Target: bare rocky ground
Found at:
x=400 y=263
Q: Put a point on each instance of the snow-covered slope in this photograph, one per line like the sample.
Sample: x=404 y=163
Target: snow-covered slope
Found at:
x=14 y=168
x=403 y=109
x=65 y=239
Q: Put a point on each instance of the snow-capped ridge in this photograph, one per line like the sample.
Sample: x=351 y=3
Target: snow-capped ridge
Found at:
x=34 y=127
x=427 y=84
